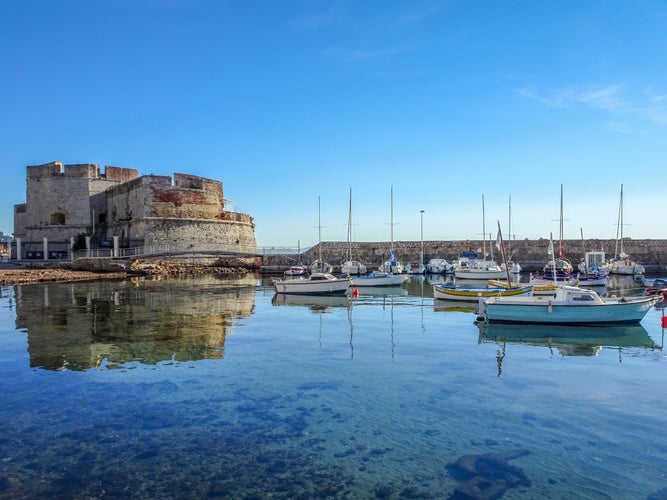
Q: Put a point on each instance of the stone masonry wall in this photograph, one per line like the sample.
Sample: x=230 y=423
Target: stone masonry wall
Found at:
x=531 y=254
x=190 y=197
x=202 y=234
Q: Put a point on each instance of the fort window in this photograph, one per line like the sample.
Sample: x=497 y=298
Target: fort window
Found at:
x=57 y=218
x=102 y=219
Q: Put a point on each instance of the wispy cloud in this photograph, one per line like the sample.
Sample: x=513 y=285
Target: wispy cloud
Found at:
x=647 y=105
x=369 y=33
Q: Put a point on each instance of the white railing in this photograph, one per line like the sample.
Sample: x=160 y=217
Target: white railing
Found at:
x=281 y=250
x=167 y=249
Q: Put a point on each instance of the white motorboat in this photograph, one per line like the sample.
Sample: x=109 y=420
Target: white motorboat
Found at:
x=571 y=305
x=352 y=267
x=439 y=266
x=296 y=271
x=315 y=284
x=481 y=270
x=379 y=278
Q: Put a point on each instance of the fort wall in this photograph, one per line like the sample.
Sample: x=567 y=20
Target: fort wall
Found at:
x=67 y=201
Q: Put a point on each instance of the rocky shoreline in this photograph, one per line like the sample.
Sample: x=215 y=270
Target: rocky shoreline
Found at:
x=12 y=273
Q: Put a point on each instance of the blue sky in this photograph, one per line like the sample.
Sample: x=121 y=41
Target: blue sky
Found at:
x=288 y=101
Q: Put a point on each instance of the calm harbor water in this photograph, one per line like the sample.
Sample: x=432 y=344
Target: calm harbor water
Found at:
x=213 y=387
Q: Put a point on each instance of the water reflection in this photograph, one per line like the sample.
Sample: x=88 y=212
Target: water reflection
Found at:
x=77 y=326
x=621 y=286
x=567 y=340
x=454 y=305
x=317 y=303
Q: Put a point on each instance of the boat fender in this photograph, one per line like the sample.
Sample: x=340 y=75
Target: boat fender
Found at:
x=550 y=307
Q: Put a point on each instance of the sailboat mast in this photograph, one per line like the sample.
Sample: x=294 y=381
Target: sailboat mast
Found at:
x=349 y=229
x=504 y=256
x=561 y=250
x=483 y=231
x=391 y=224
x=509 y=228
x=319 y=230
x=620 y=210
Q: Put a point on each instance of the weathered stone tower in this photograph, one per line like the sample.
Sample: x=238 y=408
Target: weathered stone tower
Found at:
x=61 y=204
x=118 y=208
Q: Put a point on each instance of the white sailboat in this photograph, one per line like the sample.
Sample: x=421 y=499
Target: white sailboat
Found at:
x=514 y=267
x=392 y=265
x=318 y=282
x=351 y=267
x=480 y=269
x=419 y=268
x=621 y=263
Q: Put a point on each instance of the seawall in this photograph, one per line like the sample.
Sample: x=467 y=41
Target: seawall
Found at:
x=531 y=254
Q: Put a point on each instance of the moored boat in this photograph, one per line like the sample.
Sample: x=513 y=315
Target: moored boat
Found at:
x=352 y=267
x=379 y=278
x=296 y=271
x=415 y=268
x=622 y=263
x=481 y=270
x=538 y=288
x=315 y=284
x=439 y=266
x=570 y=306
x=474 y=294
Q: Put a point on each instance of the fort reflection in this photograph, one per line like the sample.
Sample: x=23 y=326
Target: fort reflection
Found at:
x=77 y=326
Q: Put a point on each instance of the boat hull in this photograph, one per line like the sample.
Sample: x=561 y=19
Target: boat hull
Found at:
x=313 y=286
x=543 y=310
x=385 y=280
x=479 y=274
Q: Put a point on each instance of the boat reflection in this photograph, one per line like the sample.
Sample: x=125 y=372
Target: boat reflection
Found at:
x=619 y=285
x=442 y=305
x=316 y=303
x=567 y=340
x=382 y=291
x=77 y=326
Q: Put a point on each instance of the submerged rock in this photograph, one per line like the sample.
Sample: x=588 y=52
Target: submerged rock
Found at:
x=487 y=476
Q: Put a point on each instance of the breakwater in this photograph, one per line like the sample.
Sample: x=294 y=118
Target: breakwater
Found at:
x=531 y=254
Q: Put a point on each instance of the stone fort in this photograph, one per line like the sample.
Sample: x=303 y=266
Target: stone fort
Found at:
x=67 y=205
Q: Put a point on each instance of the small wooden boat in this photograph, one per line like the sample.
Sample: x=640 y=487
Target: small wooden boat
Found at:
x=538 y=288
x=473 y=294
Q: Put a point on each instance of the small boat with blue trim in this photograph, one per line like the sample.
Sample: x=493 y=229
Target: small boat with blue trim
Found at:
x=571 y=305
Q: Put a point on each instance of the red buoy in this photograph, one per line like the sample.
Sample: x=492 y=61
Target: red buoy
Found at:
x=664 y=321
x=355 y=293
